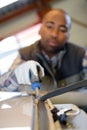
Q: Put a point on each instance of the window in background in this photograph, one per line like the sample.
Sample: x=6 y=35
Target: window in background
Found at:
x=28 y=36
x=8 y=52
x=9 y=47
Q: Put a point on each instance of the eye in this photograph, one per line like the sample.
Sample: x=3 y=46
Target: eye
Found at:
x=49 y=25
x=63 y=29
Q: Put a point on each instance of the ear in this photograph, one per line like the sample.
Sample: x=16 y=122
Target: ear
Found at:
x=39 y=31
x=68 y=36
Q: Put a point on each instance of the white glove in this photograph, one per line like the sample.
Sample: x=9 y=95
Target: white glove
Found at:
x=22 y=72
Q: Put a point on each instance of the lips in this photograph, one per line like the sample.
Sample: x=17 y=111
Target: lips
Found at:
x=52 y=43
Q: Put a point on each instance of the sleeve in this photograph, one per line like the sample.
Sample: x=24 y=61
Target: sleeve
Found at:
x=7 y=82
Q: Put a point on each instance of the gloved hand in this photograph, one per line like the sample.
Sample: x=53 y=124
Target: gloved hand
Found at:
x=27 y=72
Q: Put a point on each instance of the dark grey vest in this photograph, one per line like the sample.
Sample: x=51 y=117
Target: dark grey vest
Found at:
x=70 y=70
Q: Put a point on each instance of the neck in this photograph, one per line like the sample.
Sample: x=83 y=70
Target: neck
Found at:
x=50 y=54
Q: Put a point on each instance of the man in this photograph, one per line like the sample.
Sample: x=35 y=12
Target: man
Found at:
x=63 y=62
x=53 y=59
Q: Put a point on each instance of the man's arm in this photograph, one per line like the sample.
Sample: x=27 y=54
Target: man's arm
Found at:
x=5 y=84
x=16 y=62
x=21 y=74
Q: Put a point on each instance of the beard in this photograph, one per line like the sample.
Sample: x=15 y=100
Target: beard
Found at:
x=50 y=51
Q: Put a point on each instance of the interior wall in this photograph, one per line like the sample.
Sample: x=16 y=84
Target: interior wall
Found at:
x=19 y=23
x=77 y=9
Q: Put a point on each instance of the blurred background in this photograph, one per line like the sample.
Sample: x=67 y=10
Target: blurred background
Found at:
x=20 y=21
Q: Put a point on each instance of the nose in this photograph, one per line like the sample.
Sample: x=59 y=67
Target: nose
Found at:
x=55 y=33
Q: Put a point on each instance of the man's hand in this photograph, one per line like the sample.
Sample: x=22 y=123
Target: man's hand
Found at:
x=28 y=71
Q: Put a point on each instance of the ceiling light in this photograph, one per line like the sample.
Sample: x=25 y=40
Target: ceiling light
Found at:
x=6 y=2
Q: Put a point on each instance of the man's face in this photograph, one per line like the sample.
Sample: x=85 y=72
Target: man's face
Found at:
x=54 y=31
